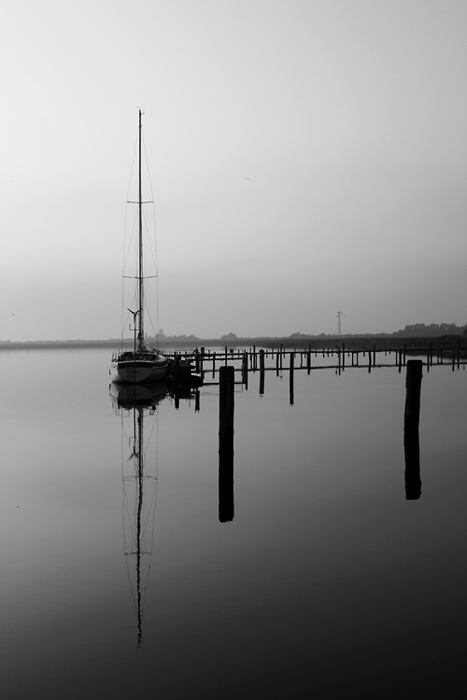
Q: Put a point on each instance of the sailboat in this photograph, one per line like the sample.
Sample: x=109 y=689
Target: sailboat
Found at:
x=142 y=363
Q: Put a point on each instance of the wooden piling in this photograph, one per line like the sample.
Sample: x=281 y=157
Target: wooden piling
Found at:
x=413 y=383
x=245 y=369
x=261 y=372
x=226 y=443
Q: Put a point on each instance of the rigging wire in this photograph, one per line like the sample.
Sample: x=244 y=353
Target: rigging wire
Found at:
x=126 y=251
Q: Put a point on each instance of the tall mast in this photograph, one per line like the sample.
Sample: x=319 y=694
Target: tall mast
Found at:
x=140 y=245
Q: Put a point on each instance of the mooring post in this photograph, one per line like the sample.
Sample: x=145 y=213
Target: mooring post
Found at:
x=226 y=443
x=413 y=383
x=291 y=371
x=261 y=372
x=308 y=360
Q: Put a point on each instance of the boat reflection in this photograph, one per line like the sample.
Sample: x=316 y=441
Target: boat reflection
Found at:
x=132 y=396
x=137 y=405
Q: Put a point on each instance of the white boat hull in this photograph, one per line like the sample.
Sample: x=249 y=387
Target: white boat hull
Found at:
x=138 y=372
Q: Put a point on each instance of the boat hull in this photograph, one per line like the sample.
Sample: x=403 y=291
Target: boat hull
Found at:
x=137 y=372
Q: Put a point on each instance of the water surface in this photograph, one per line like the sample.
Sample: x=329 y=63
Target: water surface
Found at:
x=326 y=581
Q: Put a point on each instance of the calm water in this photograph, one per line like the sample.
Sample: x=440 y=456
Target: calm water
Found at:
x=327 y=581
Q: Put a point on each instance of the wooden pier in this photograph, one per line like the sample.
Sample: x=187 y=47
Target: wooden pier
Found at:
x=206 y=362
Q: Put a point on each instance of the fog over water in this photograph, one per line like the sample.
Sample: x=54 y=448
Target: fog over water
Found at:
x=306 y=156
x=324 y=580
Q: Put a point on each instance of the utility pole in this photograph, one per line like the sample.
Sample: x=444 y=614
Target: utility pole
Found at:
x=339 y=329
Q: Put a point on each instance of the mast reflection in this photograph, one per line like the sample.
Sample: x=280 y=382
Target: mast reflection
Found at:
x=135 y=403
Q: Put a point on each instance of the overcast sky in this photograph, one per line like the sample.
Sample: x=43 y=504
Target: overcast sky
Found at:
x=306 y=157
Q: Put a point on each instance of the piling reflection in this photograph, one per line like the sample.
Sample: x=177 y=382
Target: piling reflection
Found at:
x=291 y=379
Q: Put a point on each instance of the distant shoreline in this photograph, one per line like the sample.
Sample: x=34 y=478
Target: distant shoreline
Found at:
x=316 y=342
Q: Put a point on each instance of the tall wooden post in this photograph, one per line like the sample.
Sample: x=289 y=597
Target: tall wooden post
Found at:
x=226 y=443
x=261 y=372
x=413 y=383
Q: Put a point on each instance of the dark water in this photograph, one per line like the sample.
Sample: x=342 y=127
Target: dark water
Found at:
x=327 y=581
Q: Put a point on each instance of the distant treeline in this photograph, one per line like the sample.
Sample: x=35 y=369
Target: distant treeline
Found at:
x=417 y=330
x=420 y=330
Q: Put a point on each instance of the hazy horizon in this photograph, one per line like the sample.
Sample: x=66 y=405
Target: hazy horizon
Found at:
x=306 y=157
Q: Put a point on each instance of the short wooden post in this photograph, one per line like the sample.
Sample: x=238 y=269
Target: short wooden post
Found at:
x=226 y=443
x=308 y=360
x=413 y=383
x=245 y=369
x=261 y=372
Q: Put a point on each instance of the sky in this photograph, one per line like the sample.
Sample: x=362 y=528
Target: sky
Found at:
x=306 y=157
